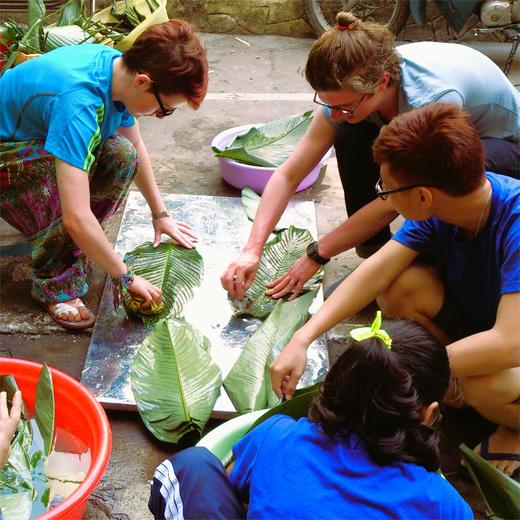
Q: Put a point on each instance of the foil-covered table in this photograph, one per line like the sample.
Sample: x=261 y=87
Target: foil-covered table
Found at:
x=222 y=228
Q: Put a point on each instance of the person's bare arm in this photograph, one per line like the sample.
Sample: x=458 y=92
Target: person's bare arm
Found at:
x=317 y=140
x=493 y=350
x=361 y=226
x=367 y=282
x=145 y=182
x=86 y=231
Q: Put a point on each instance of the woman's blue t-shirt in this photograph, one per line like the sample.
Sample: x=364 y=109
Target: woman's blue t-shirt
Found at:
x=292 y=469
x=63 y=98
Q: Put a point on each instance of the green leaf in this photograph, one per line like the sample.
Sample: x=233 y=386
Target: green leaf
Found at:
x=250 y=203
x=71 y=13
x=248 y=384
x=56 y=37
x=36 y=13
x=297 y=407
x=278 y=256
x=44 y=409
x=173 y=269
x=501 y=493
x=270 y=144
x=174 y=380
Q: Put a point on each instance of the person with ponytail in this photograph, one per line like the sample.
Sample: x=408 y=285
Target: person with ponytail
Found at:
x=368 y=449
x=361 y=82
x=70 y=147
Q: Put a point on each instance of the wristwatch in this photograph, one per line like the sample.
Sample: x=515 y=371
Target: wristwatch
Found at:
x=312 y=252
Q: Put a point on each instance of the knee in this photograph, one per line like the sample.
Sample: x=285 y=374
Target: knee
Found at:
x=397 y=300
x=196 y=459
x=120 y=152
x=490 y=389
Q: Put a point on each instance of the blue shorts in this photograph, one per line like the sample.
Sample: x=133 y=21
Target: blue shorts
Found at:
x=193 y=484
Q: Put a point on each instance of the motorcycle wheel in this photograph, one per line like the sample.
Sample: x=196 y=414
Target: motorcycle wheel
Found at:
x=322 y=13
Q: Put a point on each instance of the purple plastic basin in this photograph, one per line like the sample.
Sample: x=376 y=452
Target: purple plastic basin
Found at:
x=241 y=175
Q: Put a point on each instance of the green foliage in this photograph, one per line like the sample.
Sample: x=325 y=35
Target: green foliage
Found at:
x=250 y=203
x=248 y=384
x=44 y=413
x=501 y=493
x=278 y=256
x=269 y=144
x=297 y=407
x=174 y=380
x=173 y=269
x=24 y=488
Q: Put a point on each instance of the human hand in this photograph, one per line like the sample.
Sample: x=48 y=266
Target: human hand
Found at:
x=8 y=423
x=288 y=367
x=294 y=279
x=239 y=275
x=146 y=291
x=179 y=231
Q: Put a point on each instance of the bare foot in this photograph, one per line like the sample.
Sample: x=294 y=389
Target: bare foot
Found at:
x=82 y=314
x=503 y=441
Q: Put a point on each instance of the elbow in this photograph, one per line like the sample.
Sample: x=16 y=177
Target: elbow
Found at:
x=73 y=223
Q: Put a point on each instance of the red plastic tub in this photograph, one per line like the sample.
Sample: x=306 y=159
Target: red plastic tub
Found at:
x=77 y=412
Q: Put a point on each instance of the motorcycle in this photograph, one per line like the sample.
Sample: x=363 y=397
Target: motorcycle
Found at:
x=498 y=17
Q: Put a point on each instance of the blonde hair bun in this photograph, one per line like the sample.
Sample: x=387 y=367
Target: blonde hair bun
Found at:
x=347 y=20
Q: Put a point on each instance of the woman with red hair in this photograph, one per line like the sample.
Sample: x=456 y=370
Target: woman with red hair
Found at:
x=70 y=147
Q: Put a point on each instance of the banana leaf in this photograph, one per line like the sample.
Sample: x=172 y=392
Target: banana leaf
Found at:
x=174 y=380
x=501 y=494
x=269 y=144
x=35 y=15
x=250 y=203
x=173 y=269
x=297 y=407
x=137 y=8
x=44 y=413
x=71 y=13
x=278 y=256
x=248 y=384
x=24 y=486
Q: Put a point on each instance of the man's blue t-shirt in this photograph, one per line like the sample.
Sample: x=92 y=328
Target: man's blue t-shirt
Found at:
x=476 y=272
x=292 y=469
x=433 y=72
x=65 y=99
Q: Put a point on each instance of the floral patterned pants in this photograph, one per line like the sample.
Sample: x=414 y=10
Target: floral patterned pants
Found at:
x=30 y=202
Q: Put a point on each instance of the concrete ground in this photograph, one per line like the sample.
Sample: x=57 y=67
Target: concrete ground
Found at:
x=248 y=84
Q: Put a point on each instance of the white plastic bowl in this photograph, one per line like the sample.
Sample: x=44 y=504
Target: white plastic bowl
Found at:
x=241 y=175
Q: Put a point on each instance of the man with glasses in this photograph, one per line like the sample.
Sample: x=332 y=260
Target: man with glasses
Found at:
x=70 y=147
x=468 y=221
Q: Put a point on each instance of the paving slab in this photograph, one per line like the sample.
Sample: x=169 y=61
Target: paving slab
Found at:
x=248 y=84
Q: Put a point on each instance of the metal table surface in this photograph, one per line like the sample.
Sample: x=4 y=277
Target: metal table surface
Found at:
x=222 y=228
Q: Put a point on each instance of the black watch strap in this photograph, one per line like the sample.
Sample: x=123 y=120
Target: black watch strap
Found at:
x=312 y=252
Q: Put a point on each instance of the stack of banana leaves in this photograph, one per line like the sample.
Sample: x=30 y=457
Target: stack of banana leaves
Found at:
x=118 y=25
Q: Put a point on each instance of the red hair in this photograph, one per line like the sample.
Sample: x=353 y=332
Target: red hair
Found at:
x=174 y=58
x=436 y=144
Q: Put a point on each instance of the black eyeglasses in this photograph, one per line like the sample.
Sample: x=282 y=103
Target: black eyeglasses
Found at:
x=383 y=194
x=339 y=108
x=164 y=111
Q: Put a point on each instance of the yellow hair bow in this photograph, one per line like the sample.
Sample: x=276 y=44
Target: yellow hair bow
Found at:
x=374 y=331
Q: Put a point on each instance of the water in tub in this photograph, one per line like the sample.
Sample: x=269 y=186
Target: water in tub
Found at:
x=63 y=472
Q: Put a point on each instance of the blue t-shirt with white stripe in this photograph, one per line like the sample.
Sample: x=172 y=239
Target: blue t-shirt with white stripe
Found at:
x=64 y=99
